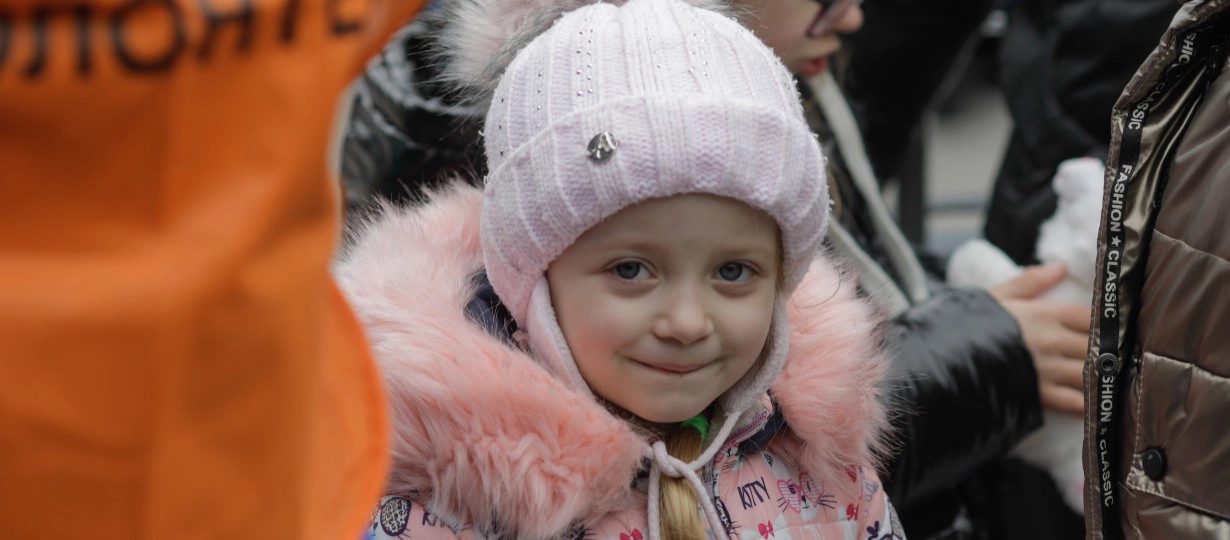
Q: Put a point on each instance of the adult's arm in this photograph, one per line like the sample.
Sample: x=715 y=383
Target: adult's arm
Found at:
x=966 y=388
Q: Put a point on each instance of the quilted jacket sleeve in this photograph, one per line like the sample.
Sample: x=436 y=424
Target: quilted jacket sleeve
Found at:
x=966 y=388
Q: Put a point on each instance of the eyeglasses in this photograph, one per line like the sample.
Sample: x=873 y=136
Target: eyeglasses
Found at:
x=831 y=11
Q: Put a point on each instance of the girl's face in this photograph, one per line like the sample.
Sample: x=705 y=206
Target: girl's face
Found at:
x=667 y=303
x=782 y=25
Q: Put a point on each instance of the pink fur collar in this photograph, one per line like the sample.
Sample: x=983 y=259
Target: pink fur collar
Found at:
x=485 y=433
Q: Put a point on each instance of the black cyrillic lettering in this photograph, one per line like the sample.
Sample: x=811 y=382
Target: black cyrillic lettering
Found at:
x=289 y=18
x=336 y=24
x=245 y=17
x=83 y=39
x=147 y=65
x=6 y=34
x=39 y=28
x=41 y=19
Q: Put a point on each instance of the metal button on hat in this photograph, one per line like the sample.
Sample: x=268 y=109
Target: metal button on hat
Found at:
x=1154 y=462
x=602 y=146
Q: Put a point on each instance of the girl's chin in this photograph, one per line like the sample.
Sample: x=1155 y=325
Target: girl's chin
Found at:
x=814 y=66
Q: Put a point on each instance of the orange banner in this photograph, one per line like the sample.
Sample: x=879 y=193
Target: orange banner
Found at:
x=175 y=361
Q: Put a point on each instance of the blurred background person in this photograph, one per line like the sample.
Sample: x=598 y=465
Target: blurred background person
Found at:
x=1060 y=65
x=976 y=366
x=1156 y=422
x=407 y=131
x=896 y=63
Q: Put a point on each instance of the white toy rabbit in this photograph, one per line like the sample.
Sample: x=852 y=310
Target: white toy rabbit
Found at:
x=1070 y=236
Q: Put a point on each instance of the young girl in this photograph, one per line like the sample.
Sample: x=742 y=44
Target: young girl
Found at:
x=659 y=353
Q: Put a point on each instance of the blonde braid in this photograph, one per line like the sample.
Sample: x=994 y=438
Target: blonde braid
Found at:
x=681 y=519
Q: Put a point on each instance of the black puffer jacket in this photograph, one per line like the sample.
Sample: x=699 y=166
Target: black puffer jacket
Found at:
x=968 y=388
x=897 y=61
x=407 y=132
x=1063 y=64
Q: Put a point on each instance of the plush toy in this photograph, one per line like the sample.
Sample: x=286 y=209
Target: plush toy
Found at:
x=1069 y=236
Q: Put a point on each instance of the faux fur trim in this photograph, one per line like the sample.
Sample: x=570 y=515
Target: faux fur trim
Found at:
x=487 y=435
x=477 y=425
x=830 y=390
x=481 y=37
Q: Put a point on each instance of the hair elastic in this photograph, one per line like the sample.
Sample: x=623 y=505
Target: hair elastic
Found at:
x=700 y=423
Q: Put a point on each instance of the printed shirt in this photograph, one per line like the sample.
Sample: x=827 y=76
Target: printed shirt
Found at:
x=175 y=361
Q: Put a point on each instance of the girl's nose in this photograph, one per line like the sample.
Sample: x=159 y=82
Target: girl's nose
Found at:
x=683 y=319
x=850 y=21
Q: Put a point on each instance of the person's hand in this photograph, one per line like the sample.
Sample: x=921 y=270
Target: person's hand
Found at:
x=1056 y=334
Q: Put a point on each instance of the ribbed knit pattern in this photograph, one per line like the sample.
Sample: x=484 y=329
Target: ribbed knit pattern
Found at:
x=697 y=105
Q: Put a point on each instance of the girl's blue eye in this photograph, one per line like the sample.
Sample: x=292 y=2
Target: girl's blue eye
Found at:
x=629 y=270
x=734 y=272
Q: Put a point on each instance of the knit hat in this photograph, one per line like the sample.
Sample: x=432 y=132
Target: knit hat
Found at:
x=613 y=105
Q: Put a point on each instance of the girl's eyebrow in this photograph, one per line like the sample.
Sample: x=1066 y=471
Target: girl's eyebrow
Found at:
x=632 y=241
x=756 y=247
x=727 y=250
x=614 y=246
x=736 y=248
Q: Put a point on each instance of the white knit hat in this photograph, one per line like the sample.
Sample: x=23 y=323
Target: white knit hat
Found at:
x=688 y=101
x=616 y=105
x=613 y=105
x=602 y=106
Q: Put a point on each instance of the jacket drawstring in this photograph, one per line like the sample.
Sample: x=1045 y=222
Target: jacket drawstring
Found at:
x=661 y=462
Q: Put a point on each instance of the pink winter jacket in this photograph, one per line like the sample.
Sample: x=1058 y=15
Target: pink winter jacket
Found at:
x=487 y=444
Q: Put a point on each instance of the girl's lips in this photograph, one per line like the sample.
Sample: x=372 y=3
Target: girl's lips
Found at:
x=673 y=369
x=815 y=66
